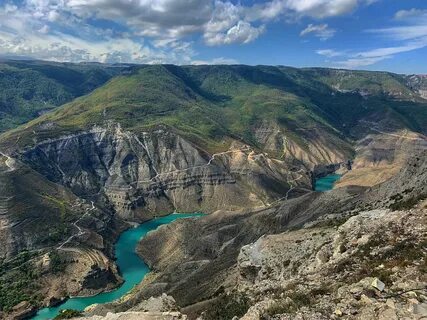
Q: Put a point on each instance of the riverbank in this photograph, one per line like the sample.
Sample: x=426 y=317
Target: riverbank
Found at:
x=131 y=266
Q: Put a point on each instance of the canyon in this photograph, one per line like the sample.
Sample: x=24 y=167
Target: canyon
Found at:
x=244 y=145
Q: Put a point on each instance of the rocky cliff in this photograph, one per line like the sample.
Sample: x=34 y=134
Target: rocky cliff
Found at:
x=39 y=222
x=309 y=256
x=158 y=172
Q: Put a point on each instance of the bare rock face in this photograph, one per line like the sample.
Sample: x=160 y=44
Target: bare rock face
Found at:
x=162 y=304
x=23 y=310
x=418 y=83
x=82 y=271
x=365 y=269
x=381 y=154
x=319 y=147
x=159 y=172
x=296 y=259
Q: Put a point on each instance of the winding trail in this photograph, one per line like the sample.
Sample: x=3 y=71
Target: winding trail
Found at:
x=159 y=174
x=291 y=183
x=80 y=230
x=373 y=127
x=247 y=148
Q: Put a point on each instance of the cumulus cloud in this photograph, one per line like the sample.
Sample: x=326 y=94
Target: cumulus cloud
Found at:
x=242 y=32
x=152 y=18
x=79 y=42
x=322 y=31
x=322 y=8
x=146 y=30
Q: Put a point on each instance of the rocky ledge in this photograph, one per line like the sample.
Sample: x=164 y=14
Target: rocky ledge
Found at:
x=371 y=267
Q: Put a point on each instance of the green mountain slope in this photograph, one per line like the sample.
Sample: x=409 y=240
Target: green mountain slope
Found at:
x=31 y=88
x=213 y=103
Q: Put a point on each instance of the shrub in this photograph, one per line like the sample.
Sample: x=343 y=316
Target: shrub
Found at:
x=227 y=306
x=68 y=314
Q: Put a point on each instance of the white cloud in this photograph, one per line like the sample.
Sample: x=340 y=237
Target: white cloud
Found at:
x=83 y=42
x=53 y=16
x=220 y=60
x=388 y=51
x=152 y=18
x=369 y=57
x=410 y=36
x=330 y=53
x=414 y=26
x=403 y=32
x=354 y=63
x=410 y=14
x=44 y=29
x=322 y=31
x=322 y=8
x=145 y=30
x=242 y=32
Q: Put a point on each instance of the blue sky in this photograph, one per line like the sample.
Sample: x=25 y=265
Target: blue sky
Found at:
x=356 y=34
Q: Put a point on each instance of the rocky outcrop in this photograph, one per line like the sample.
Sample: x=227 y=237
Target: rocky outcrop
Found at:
x=75 y=272
x=418 y=83
x=380 y=155
x=307 y=147
x=159 y=172
x=379 y=249
x=23 y=310
x=202 y=262
x=154 y=304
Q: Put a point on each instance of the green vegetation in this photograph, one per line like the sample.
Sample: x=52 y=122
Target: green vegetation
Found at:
x=227 y=306
x=57 y=263
x=210 y=105
x=409 y=203
x=400 y=254
x=291 y=303
x=68 y=314
x=30 y=88
x=18 y=281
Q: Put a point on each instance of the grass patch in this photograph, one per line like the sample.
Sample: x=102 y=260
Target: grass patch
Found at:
x=18 y=282
x=296 y=301
x=401 y=204
x=227 y=306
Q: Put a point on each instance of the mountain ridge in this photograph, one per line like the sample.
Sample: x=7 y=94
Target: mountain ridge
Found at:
x=156 y=139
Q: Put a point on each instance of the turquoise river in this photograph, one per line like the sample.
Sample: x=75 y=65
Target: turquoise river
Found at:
x=326 y=183
x=132 y=267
